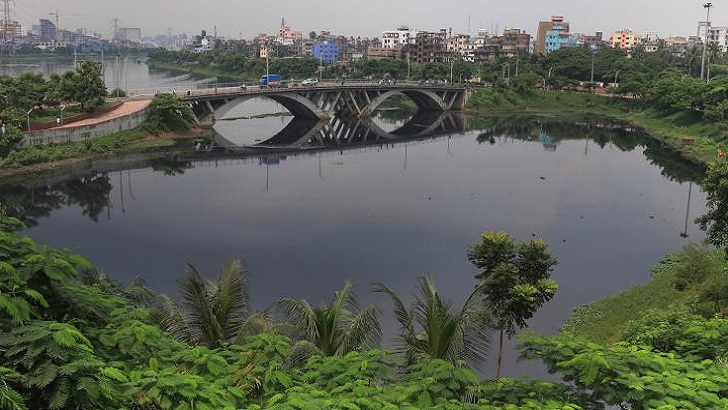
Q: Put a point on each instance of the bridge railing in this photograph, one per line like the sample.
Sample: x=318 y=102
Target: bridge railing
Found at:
x=237 y=88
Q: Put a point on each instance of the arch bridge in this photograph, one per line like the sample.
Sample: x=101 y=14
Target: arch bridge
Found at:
x=323 y=101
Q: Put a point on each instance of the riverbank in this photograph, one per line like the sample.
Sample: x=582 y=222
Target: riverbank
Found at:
x=145 y=138
x=694 y=139
x=196 y=71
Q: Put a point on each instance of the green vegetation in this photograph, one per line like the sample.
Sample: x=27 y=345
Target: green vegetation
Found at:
x=72 y=338
x=166 y=114
x=515 y=280
x=606 y=320
x=432 y=329
x=693 y=281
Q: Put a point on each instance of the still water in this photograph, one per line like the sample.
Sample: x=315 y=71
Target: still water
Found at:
x=609 y=203
x=130 y=74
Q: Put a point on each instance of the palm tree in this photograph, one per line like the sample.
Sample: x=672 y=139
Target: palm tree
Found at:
x=430 y=328
x=335 y=329
x=213 y=313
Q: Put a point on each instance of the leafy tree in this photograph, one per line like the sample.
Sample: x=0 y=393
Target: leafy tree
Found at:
x=334 y=329
x=515 y=280
x=212 y=313
x=715 y=220
x=171 y=113
x=58 y=366
x=10 y=399
x=675 y=90
x=85 y=85
x=632 y=377
x=431 y=328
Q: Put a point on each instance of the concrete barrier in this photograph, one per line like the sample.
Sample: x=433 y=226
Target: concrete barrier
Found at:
x=85 y=132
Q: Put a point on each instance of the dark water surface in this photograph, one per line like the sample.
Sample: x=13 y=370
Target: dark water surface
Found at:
x=307 y=222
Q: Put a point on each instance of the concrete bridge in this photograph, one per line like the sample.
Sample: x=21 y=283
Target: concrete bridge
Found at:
x=325 y=100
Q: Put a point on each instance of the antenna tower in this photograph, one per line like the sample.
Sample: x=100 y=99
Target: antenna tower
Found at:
x=6 y=22
x=115 y=25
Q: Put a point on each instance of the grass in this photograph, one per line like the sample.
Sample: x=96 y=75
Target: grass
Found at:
x=606 y=320
x=685 y=131
x=682 y=282
x=125 y=141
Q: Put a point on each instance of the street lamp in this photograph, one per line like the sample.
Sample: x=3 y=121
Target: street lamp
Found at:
x=705 y=43
x=452 y=61
x=28 y=114
x=408 y=65
x=616 y=75
x=591 y=79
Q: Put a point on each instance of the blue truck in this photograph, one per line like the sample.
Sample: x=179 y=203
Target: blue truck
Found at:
x=270 y=80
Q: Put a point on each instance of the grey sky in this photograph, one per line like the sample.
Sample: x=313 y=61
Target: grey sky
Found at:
x=234 y=18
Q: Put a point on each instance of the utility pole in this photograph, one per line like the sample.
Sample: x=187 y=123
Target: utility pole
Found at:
x=705 y=43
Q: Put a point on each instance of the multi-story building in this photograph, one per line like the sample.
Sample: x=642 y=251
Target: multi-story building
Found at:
x=384 y=53
x=651 y=42
x=398 y=38
x=130 y=34
x=327 y=51
x=47 y=31
x=624 y=39
x=288 y=36
x=594 y=42
x=13 y=29
x=719 y=37
x=544 y=27
x=515 y=41
x=458 y=43
x=557 y=38
x=430 y=47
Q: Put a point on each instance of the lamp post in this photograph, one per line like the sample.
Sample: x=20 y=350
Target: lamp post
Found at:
x=28 y=114
x=616 y=75
x=452 y=62
x=408 y=65
x=705 y=43
x=267 y=68
x=548 y=78
x=591 y=78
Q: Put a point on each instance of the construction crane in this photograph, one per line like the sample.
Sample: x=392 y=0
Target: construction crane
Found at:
x=58 y=29
x=59 y=35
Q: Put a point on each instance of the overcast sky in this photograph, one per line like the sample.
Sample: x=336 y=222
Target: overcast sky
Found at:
x=367 y=18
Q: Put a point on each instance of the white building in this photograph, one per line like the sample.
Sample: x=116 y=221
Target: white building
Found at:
x=398 y=38
x=719 y=36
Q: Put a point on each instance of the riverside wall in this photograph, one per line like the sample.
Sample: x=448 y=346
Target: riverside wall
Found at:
x=85 y=131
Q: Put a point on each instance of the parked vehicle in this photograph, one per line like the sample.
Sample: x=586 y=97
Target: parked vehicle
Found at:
x=270 y=80
x=309 y=81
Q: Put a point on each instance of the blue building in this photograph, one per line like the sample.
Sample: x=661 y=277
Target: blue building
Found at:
x=328 y=51
x=558 y=37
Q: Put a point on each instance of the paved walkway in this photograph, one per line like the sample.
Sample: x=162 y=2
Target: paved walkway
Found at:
x=126 y=108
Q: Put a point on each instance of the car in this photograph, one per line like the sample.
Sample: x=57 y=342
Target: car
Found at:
x=309 y=81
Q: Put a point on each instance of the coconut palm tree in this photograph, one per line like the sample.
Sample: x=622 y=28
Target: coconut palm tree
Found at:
x=334 y=329
x=432 y=328
x=213 y=313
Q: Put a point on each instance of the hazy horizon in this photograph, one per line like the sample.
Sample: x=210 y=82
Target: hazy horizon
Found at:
x=245 y=19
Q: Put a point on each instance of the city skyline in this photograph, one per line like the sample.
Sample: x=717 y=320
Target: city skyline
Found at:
x=245 y=18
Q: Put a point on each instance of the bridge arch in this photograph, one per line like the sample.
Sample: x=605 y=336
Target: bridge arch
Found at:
x=299 y=106
x=324 y=101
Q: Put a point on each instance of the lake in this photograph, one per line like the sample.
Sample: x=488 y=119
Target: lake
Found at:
x=608 y=201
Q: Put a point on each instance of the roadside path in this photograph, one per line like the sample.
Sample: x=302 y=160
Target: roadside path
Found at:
x=126 y=108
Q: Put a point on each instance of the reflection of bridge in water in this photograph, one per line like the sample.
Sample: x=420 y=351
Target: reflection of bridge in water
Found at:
x=337 y=132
